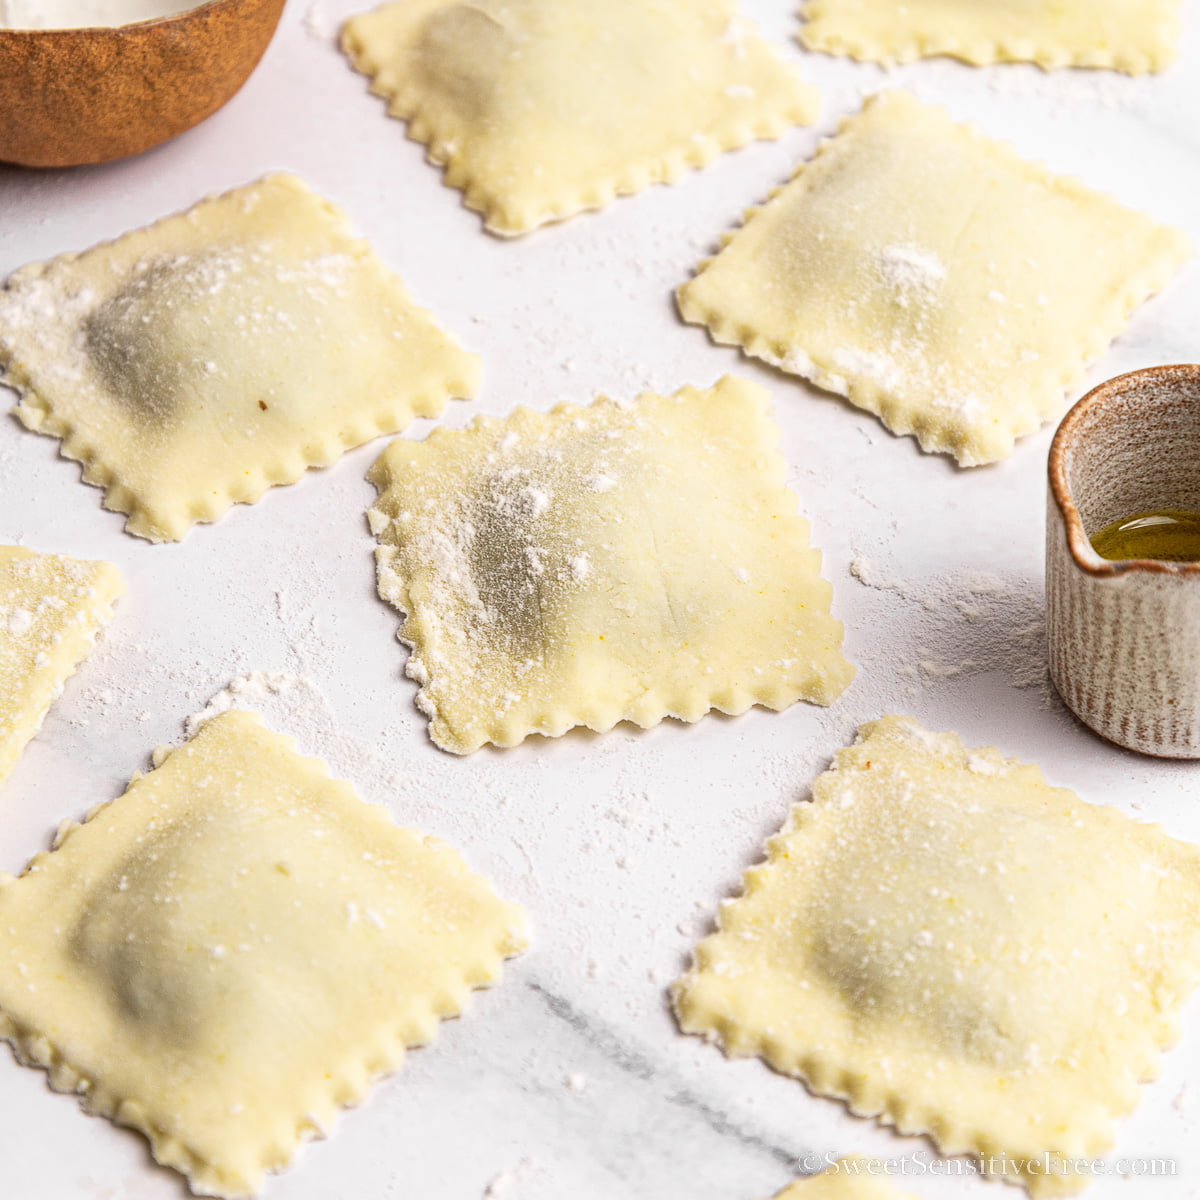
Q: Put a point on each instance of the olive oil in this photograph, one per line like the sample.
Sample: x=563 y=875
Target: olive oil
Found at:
x=1164 y=535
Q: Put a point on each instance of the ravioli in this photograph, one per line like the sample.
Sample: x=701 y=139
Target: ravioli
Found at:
x=934 y=278
x=1134 y=36
x=235 y=948
x=539 y=109
x=624 y=561
x=850 y=1178
x=195 y=363
x=946 y=942
x=51 y=610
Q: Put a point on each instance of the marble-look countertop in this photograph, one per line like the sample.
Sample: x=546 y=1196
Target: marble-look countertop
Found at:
x=570 y=1079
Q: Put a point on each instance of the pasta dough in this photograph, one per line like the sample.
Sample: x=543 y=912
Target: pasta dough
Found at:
x=51 y=609
x=852 y=1178
x=1134 y=36
x=943 y=940
x=933 y=277
x=236 y=947
x=539 y=109
x=593 y=565
x=193 y=364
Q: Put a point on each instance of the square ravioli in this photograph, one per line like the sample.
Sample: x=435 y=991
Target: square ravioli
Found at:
x=850 y=1178
x=51 y=609
x=1135 y=36
x=193 y=364
x=619 y=562
x=934 y=278
x=539 y=109
x=944 y=941
x=235 y=948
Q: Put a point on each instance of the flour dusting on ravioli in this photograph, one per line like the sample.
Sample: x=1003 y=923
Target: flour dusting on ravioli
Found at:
x=193 y=364
x=934 y=278
x=51 y=610
x=236 y=948
x=943 y=940
x=627 y=561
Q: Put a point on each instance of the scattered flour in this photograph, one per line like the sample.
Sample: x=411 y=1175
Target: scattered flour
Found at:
x=1066 y=90
x=293 y=705
x=913 y=273
x=319 y=22
x=865 y=571
x=887 y=372
x=255 y=692
x=20 y=622
x=735 y=35
x=971 y=622
x=533 y=502
x=503 y=1185
x=1054 y=92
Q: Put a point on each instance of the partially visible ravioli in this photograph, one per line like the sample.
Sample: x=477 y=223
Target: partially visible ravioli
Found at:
x=934 y=278
x=943 y=940
x=592 y=565
x=51 y=609
x=540 y=109
x=1134 y=36
x=850 y=1178
x=235 y=948
x=195 y=363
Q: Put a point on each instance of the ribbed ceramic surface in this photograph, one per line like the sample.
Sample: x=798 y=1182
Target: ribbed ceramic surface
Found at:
x=1124 y=638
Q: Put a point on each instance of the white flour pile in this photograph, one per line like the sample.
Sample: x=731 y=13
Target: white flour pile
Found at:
x=84 y=14
x=964 y=623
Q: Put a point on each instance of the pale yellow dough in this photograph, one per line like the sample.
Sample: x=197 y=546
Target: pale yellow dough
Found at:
x=851 y=1178
x=935 y=278
x=235 y=948
x=195 y=363
x=539 y=109
x=593 y=565
x=51 y=609
x=1134 y=36
x=944 y=941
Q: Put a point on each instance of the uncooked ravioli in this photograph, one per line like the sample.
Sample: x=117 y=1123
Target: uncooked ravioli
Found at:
x=1134 y=36
x=934 y=278
x=942 y=938
x=51 y=610
x=597 y=564
x=540 y=109
x=195 y=363
x=235 y=948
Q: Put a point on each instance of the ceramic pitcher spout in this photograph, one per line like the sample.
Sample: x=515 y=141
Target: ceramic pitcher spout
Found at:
x=1124 y=637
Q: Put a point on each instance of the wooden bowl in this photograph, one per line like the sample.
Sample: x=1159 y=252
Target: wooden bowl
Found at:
x=72 y=96
x=1124 y=637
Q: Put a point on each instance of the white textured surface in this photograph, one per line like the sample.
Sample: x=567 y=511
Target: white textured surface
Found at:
x=570 y=1080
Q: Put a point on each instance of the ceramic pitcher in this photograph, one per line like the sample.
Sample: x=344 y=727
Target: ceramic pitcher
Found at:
x=1124 y=637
